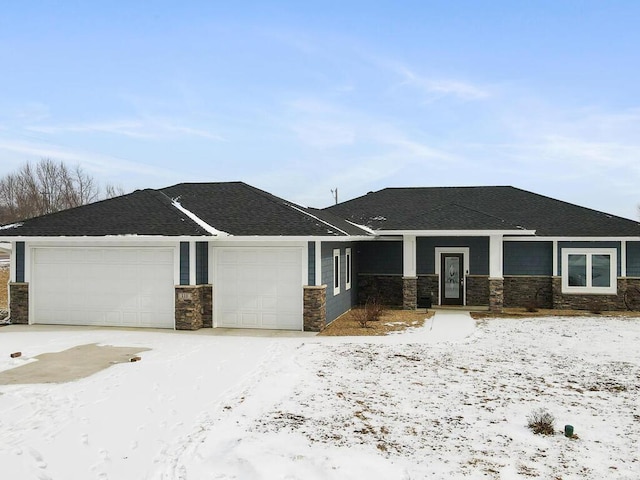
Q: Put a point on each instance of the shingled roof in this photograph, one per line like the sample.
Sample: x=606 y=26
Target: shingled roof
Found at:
x=189 y=209
x=240 y=209
x=479 y=208
x=143 y=212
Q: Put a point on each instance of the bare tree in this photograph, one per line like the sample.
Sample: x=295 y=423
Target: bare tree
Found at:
x=111 y=190
x=47 y=187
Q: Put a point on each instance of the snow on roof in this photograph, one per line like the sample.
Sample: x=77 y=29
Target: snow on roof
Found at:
x=11 y=225
x=316 y=218
x=363 y=227
x=213 y=231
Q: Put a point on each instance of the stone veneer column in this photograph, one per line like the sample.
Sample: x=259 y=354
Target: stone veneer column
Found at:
x=193 y=308
x=409 y=293
x=556 y=292
x=19 y=303
x=496 y=294
x=315 y=308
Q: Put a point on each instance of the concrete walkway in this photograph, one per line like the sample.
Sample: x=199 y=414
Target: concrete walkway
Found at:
x=449 y=325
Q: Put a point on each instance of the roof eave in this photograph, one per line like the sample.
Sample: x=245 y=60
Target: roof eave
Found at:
x=455 y=233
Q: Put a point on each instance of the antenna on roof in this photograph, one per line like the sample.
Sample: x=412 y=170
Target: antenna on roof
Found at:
x=335 y=194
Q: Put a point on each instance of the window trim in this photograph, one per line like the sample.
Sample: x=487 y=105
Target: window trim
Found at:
x=348 y=273
x=589 y=253
x=336 y=271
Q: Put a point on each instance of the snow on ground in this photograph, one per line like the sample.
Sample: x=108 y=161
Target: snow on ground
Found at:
x=448 y=400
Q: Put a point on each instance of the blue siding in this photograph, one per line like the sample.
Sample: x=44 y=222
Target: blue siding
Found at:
x=562 y=245
x=478 y=253
x=341 y=303
x=379 y=257
x=202 y=263
x=528 y=258
x=311 y=263
x=633 y=259
x=19 y=261
x=184 y=263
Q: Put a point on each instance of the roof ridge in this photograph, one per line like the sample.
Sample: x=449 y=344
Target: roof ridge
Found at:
x=167 y=203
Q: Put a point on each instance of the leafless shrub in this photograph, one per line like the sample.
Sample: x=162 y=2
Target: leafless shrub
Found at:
x=541 y=422
x=370 y=312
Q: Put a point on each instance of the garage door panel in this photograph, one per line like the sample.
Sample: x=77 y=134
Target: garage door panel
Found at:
x=103 y=286
x=258 y=287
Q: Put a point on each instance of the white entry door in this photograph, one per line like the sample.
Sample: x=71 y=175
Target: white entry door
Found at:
x=258 y=287
x=113 y=286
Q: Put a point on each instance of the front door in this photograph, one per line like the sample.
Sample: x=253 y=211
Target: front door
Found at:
x=451 y=279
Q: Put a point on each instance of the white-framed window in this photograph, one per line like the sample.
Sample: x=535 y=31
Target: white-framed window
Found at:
x=589 y=270
x=347 y=269
x=336 y=271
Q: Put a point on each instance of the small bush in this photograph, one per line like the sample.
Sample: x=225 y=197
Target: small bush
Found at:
x=370 y=312
x=531 y=306
x=360 y=316
x=375 y=309
x=541 y=422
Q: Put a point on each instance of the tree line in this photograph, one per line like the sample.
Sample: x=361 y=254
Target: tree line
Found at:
x=46 y=187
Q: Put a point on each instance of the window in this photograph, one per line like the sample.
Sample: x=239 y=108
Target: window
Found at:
x=347 y=272
x=589 y=270
x=336 y=271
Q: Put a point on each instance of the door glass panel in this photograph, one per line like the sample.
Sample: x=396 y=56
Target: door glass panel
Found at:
x=577 y=270
x=452 y=277
x=601 y=270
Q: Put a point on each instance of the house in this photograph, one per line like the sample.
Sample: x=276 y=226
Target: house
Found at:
x=227 y=254
x=495 y=246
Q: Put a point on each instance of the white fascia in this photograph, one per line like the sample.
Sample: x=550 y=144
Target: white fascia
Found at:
x=573 y=239
x=113 y=239
x=213 y=231
x=293 y=238
x=454 y=233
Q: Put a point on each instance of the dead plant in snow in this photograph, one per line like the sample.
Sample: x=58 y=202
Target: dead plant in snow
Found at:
x=541 y=422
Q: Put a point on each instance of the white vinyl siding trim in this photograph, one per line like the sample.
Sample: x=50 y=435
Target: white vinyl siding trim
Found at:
x=581 y=279
x=336 y=271
x=347 y=269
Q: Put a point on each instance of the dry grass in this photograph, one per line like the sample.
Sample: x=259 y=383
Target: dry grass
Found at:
x=544 y=312
x=4 y=279
x=391 y=321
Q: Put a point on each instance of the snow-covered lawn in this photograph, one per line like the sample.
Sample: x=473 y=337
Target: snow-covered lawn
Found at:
x=444 y=401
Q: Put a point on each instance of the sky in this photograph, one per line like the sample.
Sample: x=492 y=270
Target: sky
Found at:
x=299 y=98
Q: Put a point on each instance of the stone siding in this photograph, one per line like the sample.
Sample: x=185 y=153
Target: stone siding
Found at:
x=194 y=307
x=388 y=289
x=496 y=294
x=19 y=303
x=525 y=291
x=315 y=308
x=592 y=302
x=477 y=290
x=409 y=293
x=428 y=288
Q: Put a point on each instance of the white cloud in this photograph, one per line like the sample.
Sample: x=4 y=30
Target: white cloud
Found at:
x=441 y=87
x=92 y=161
x=148 y=128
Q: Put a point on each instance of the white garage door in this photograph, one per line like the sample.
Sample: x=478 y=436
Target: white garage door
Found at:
x=114 y=286
x=258 y=288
